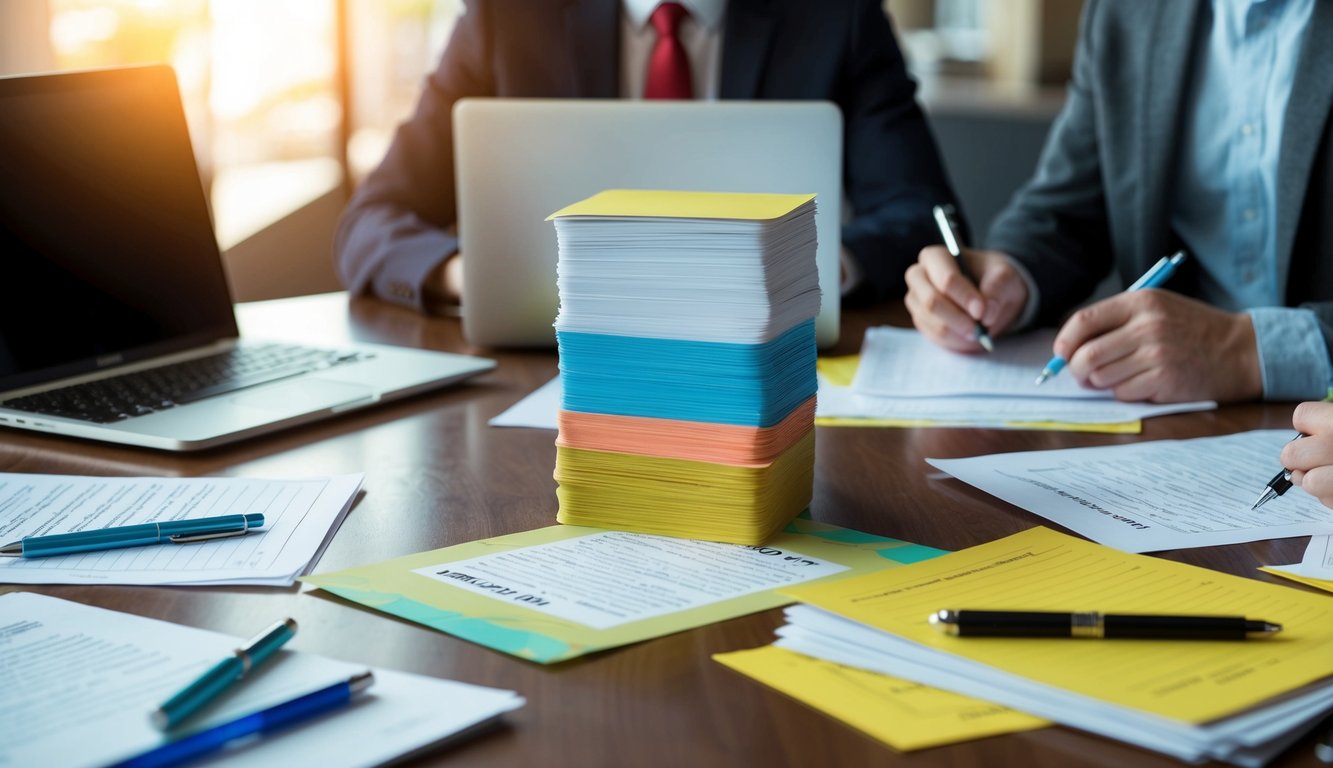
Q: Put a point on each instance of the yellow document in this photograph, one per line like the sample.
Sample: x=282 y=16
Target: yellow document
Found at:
x=1041 y=570
x=684 y=205
x=554 y=593
x=900 y=713
x=1324 y=584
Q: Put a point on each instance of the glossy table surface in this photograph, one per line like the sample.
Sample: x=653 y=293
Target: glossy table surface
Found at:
x=437 y=475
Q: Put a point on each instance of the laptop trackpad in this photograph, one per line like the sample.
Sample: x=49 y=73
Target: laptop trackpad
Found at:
x=305 y=396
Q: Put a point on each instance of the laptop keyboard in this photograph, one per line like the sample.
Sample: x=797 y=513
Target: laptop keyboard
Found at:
x=109 y=400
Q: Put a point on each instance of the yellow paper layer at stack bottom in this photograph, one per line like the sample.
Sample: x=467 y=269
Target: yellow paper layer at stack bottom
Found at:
x=677 y=497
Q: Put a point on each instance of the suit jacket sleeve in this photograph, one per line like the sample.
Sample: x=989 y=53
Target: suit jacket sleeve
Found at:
x=891 y=166
x=1057 y=224
x=395 y=228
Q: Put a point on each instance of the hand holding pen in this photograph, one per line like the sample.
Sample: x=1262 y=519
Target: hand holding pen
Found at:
x=1307 y=460
x=1161 y=346
x=947 y=305
x=1156 y=275
x=944 y=219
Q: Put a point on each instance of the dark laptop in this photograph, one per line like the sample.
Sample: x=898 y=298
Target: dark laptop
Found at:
x=116 y=321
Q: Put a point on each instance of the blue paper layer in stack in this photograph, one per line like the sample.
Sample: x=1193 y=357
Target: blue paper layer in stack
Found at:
x=687 y=344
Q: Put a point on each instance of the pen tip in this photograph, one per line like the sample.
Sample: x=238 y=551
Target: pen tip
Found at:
x=1263 y=499
x=12 y=550
x=1043 y=377
x=986 y=342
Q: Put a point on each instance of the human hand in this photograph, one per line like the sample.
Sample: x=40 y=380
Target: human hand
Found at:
x=443 y=287
x=945 y=306
x=1311 y=458
x=1162 y=347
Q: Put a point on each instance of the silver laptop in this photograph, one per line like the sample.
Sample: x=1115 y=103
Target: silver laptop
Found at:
x=116 y=322
x=519 y=160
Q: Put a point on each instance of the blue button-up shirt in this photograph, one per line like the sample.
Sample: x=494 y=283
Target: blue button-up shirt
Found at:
x=1226 y=199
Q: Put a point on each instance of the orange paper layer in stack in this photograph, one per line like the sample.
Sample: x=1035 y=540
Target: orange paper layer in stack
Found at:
x=732 y=444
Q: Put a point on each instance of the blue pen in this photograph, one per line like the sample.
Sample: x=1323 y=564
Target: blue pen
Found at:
x=222 y=675
x=1158 y=274
x=175 y=531
x=264 y=721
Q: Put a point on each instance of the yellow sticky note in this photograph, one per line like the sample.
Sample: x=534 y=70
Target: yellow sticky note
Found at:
x=900 y=713
x=1324 y=584
x=684 y=205
x=1041 y=570
x=1121 y=428
x=838 y=371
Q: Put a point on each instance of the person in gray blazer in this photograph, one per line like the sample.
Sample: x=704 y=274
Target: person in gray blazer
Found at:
x=1201 y=125
x=395 y=242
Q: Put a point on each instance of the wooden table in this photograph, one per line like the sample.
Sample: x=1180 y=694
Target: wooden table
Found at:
x=437 y=475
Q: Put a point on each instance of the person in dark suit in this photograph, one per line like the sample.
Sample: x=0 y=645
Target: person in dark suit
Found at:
x=1193 y=124
x=394 y=239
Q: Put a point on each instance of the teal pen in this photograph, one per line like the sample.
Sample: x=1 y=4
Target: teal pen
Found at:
x=222 y=675
x=174 y=531
x=1158 y=274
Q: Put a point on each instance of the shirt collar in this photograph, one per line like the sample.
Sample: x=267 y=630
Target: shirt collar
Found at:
x=708 y=13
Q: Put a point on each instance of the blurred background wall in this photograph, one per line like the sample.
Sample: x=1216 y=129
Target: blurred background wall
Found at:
x=292 y=102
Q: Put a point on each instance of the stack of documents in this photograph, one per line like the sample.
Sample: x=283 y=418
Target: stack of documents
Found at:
x=687 y=361
x=1241 y=701
x=80 y=683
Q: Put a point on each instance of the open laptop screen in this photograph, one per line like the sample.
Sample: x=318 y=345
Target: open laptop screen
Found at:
x=107 y=253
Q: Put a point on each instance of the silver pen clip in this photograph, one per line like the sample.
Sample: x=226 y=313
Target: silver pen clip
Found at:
x=191 y=538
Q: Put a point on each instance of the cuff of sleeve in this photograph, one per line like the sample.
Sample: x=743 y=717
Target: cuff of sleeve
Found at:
x=1029 y=312
x=401 y=279
x=1293 y=359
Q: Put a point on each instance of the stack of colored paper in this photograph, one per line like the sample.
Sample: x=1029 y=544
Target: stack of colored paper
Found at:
x=1239 y=701
x=687 y=359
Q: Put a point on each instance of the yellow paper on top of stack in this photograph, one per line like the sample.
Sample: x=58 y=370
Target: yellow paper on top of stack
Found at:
x=678 y=497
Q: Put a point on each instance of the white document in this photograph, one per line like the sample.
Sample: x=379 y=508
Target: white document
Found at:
x=1249 y=739
x=1147 y=497
x=539 y=409
x=897 y=362
x=77 y=685
x=990 y=411
x=1318 y=560
x=608 y=579
x=300 y=517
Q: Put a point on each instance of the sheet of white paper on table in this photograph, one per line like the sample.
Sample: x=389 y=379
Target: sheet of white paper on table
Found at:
x=1153 y=496
x=1249 y=740
x=1317 y=562
x=989 y=411
x=612 y=578
x=897 y=362
x=81 y=681
x=300 y=517
x=539 y=409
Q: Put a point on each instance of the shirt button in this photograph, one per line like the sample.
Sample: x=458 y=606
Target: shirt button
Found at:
x=1247 y=129
x=1251 y=214
x=1249 y=276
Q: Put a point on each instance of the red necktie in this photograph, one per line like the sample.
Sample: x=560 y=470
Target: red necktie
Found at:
x=669 y=66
